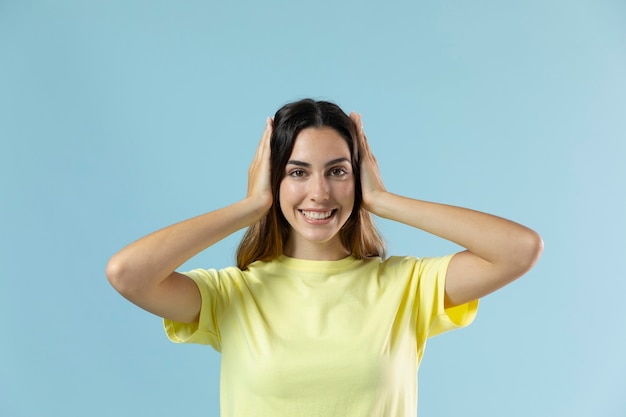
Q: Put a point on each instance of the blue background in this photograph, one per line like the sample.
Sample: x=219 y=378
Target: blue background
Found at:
x=121 y=117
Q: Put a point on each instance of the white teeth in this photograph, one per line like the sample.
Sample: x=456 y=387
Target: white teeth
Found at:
x=317 y=215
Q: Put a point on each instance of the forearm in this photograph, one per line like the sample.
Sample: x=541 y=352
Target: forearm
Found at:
x=492 y=238
x=498 y=250
x=151 y=259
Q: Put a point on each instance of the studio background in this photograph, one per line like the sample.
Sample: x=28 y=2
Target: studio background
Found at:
x=121 y=117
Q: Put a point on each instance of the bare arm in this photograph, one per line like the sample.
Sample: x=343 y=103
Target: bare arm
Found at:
x=144 y=271
x=497 y=250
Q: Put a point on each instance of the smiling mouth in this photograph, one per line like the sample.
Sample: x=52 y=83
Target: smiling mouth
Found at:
x=317 y=215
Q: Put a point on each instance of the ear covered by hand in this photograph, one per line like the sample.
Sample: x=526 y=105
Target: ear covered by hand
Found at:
x=259 y=173
x=371 y=180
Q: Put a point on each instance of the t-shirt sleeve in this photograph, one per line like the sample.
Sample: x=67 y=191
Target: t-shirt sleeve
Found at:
x=206 y=331
x=433 y=318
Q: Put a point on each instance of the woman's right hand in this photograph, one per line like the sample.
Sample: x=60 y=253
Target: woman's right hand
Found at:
x=259 y=173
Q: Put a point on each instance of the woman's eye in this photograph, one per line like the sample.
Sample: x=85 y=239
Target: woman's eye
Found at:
x=297 y=173
x=338 y=172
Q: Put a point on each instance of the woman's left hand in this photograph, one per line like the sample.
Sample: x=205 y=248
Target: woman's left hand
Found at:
x=371 y=180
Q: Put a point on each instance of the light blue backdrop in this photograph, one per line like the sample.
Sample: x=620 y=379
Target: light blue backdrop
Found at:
x=120 y=117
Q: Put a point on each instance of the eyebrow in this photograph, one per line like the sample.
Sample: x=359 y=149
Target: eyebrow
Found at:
x=307 y=165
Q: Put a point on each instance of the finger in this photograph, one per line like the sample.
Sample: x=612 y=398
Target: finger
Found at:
x=269 y=125
x=358 y=123
x=267 y=133
x=261 y=160
x=264 y=143
x=358 y=120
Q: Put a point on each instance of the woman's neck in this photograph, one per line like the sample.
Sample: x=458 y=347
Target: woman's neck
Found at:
x=326 y=251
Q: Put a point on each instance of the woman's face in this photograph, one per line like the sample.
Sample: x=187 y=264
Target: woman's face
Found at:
x=317 y=194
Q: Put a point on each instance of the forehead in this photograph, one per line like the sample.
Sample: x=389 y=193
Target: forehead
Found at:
x=320 y=141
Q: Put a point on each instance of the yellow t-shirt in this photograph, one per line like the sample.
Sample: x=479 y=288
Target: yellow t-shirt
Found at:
x=305 y=338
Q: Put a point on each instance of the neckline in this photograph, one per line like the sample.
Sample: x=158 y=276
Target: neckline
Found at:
x=311 y=265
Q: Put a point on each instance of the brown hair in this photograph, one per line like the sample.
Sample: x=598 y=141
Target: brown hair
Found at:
x=264 y=240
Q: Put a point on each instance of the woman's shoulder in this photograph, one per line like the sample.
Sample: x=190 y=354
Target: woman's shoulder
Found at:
x=402 y=264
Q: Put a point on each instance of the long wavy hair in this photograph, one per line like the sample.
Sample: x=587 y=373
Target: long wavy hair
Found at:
x=265 y=239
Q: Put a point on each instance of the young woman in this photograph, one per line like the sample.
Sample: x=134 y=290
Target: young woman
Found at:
x=315 y=320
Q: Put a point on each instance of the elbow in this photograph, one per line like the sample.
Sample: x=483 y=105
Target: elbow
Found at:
x=535 y=248
x=118 y=276
x=530 y=250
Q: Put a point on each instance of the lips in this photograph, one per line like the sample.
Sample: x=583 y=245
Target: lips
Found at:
x=317 y=215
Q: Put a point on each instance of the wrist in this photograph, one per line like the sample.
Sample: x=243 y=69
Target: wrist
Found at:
x=258 y=206
x=374 y=202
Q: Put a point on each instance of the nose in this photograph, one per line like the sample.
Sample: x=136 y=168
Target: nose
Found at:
x=320 y=189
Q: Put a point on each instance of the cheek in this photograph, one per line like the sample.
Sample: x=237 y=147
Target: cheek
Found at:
x=346 y=193
x=284 y=191
x=281 y=196
x=287 y=195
